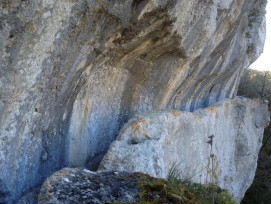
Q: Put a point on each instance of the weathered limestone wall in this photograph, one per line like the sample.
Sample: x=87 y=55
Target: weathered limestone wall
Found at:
x=72 y=72
x=165 y=58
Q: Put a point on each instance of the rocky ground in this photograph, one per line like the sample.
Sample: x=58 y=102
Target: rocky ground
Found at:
x=78 y=186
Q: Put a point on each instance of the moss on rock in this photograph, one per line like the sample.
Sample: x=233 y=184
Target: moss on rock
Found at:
x=83 y=186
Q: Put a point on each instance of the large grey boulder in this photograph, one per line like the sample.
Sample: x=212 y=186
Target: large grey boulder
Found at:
x=73 y=71
x=156 y=142
x=81 y=186
x=77 y=186
x=72 y=185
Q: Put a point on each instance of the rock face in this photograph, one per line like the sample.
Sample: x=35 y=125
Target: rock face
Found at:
x=156 y=142
x=72 y=72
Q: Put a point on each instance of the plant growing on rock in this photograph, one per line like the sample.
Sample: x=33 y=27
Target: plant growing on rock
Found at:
x=212 y=156
x=204 y=194
x=177 y=172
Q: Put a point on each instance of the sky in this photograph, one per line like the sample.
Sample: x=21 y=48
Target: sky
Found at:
x=263 y=63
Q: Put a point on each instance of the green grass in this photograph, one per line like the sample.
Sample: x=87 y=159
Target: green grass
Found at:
x=159 y=191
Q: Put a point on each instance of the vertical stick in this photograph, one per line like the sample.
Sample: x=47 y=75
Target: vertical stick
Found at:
x=212 y=164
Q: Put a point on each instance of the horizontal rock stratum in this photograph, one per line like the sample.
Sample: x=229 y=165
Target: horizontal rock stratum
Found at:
x=73 y=72
x=156 y=142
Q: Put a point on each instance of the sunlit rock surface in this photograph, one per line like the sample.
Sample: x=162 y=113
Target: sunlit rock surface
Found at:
x=72 y=72
x=160 y=141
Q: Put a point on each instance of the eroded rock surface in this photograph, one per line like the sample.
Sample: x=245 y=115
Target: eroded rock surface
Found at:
x=83 y=186
x=168 y=55
x=154 y=143
x=72 y=72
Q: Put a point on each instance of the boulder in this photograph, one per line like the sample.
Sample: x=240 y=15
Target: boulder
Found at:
x=160 y=142
x=83 y=186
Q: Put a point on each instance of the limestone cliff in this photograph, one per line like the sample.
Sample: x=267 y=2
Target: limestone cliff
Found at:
x=72 y=72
